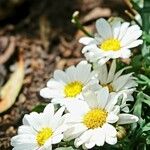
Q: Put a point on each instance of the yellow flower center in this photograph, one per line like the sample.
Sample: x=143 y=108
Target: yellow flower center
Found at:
x=110 y=44
x=95 y=118
x=73 y=89
x=44 y=135
x=110 y=87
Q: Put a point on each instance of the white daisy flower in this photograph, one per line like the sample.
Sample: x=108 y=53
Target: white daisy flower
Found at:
x=115 y=82
x=91 y=121
x=68 y=85
x=40 y=131
x=113 y=40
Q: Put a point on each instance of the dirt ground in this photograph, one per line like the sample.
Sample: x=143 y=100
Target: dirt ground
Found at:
x=43 y=30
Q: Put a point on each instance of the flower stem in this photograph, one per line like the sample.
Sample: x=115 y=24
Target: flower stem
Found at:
x=75 y=20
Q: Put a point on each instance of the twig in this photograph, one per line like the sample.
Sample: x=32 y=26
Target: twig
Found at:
x=132 y=17
x=9 y=51
x=130 y=6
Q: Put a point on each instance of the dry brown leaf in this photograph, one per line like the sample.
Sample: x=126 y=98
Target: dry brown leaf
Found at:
x=11 y=89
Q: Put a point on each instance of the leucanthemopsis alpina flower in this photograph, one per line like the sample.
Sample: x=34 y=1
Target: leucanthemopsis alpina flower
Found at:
x=68 y=85
x=113 y=40
x=92 y=121
x=40 y=131
x=115 y=81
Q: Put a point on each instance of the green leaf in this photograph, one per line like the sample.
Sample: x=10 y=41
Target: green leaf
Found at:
x=136 y=62
x=143 y=77
x=146 y=49
x=39 y=108
x=146 y=102
x=146 y=37
x=148 y=140
x=146 y=64
x=138 y=105
x=146 y=127
x=143 y=80
x=137 y=4
x=145 y=16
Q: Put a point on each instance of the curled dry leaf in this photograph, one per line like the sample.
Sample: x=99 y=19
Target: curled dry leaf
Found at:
x=11 y=89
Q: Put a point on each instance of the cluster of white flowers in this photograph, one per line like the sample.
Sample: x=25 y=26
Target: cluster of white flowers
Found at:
x=92 y=96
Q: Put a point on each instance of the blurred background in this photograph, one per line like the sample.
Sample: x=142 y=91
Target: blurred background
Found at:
x=39 y=36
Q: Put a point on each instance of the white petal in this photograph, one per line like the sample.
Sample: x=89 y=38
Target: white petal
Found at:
x=102 y=97
x=47 y=145
x=112 y=102
x=24 y=139
x=111 y=71
x=116 y=28
x=132 y=29
x=24 y=129
x=51 y=93
x=98 y=137
x=71 y=73
x=120 y=72
x=49 y=109
x=83 y=72
x=61 y=76
x=129 y=39
x=34 y=120
x=103 y=73
x=134 y=44
x=112 y=118
x=116 y=109
x=125 y=53
x=26 y=147
x=53 y=84
x=127 y=119
x=103 y=28
x=48 y=114
x=125 y=109
x=89 y=144
x=87 y=40
x=111 y=140
x=110 y=130
x=121 y=81
x=103 y=60
x=57 y=119
x=111 y=133
x=98 y=38
x=56 y=139
x=73 y=107
x=83 y=138
x=90 y=98
x=123 y=30
x=74 y=131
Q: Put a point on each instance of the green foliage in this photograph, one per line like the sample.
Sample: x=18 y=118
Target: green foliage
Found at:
x=138 y=3
x=39 y=108
x=65 y=148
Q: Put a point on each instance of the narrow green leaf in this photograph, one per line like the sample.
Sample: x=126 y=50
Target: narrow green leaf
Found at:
x=148 y=140
x=138 y=105
x=146 y=102
x=146 y=127
x=65 y=148
x=39 y=108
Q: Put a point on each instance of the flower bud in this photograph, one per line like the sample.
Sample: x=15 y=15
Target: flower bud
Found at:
x=121 y=132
